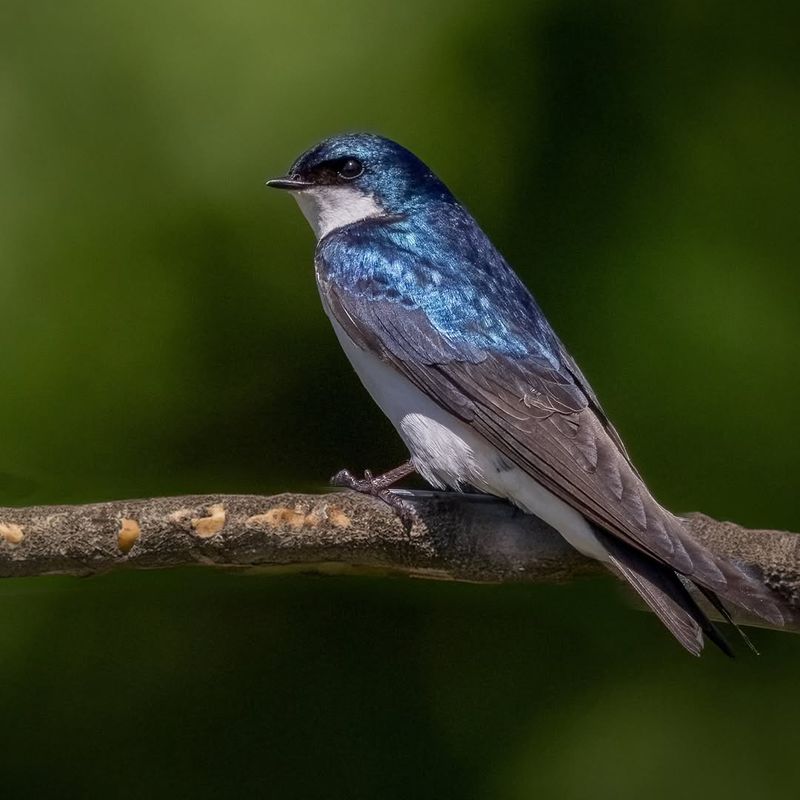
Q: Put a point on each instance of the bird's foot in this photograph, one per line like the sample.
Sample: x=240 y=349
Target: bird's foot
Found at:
x=378 y=486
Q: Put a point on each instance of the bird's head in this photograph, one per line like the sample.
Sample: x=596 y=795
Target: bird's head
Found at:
x=357 y=176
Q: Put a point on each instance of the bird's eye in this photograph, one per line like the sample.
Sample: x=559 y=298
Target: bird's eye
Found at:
x=350 y=168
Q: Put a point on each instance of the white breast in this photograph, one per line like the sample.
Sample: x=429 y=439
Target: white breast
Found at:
x=447 y=452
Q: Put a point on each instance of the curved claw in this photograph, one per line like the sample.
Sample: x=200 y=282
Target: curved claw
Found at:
x=345 y=479
x=405 y=511
x=377 y=487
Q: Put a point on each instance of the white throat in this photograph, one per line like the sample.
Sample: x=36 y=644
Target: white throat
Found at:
x=330 y=207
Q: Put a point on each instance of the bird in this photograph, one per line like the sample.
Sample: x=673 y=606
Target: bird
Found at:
x=457 y=353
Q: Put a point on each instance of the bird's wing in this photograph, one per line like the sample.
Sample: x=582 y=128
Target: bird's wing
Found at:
x=545 y=421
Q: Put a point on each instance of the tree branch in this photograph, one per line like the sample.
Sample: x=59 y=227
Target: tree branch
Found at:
x=461 y=537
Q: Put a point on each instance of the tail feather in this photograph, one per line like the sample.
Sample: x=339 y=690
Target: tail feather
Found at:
x=726 y=615
x=715 y=576
x=661 y=588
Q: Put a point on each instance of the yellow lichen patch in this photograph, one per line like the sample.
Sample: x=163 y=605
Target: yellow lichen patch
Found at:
x=295 y=518
x=129 y=532
x=180 y=516
x=11 y=532
x=206 y=527
x=276 y=517
x=314 y=518
x=338 y=518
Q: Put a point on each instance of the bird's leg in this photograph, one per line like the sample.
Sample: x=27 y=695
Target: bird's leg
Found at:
x=378 y=486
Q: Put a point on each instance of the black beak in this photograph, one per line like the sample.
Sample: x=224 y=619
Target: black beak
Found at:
x=293 y=184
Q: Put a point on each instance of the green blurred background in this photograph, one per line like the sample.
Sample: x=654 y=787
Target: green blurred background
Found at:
x=161 y=333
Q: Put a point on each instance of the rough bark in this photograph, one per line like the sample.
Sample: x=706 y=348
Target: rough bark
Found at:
x=460 y=537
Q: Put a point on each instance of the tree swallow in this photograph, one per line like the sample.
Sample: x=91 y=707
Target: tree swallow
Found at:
x=456 y=352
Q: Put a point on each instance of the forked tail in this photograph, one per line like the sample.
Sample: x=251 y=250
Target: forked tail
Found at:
x=666 y=593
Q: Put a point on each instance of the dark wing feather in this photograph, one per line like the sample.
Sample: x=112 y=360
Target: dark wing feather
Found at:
x=549 y=423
